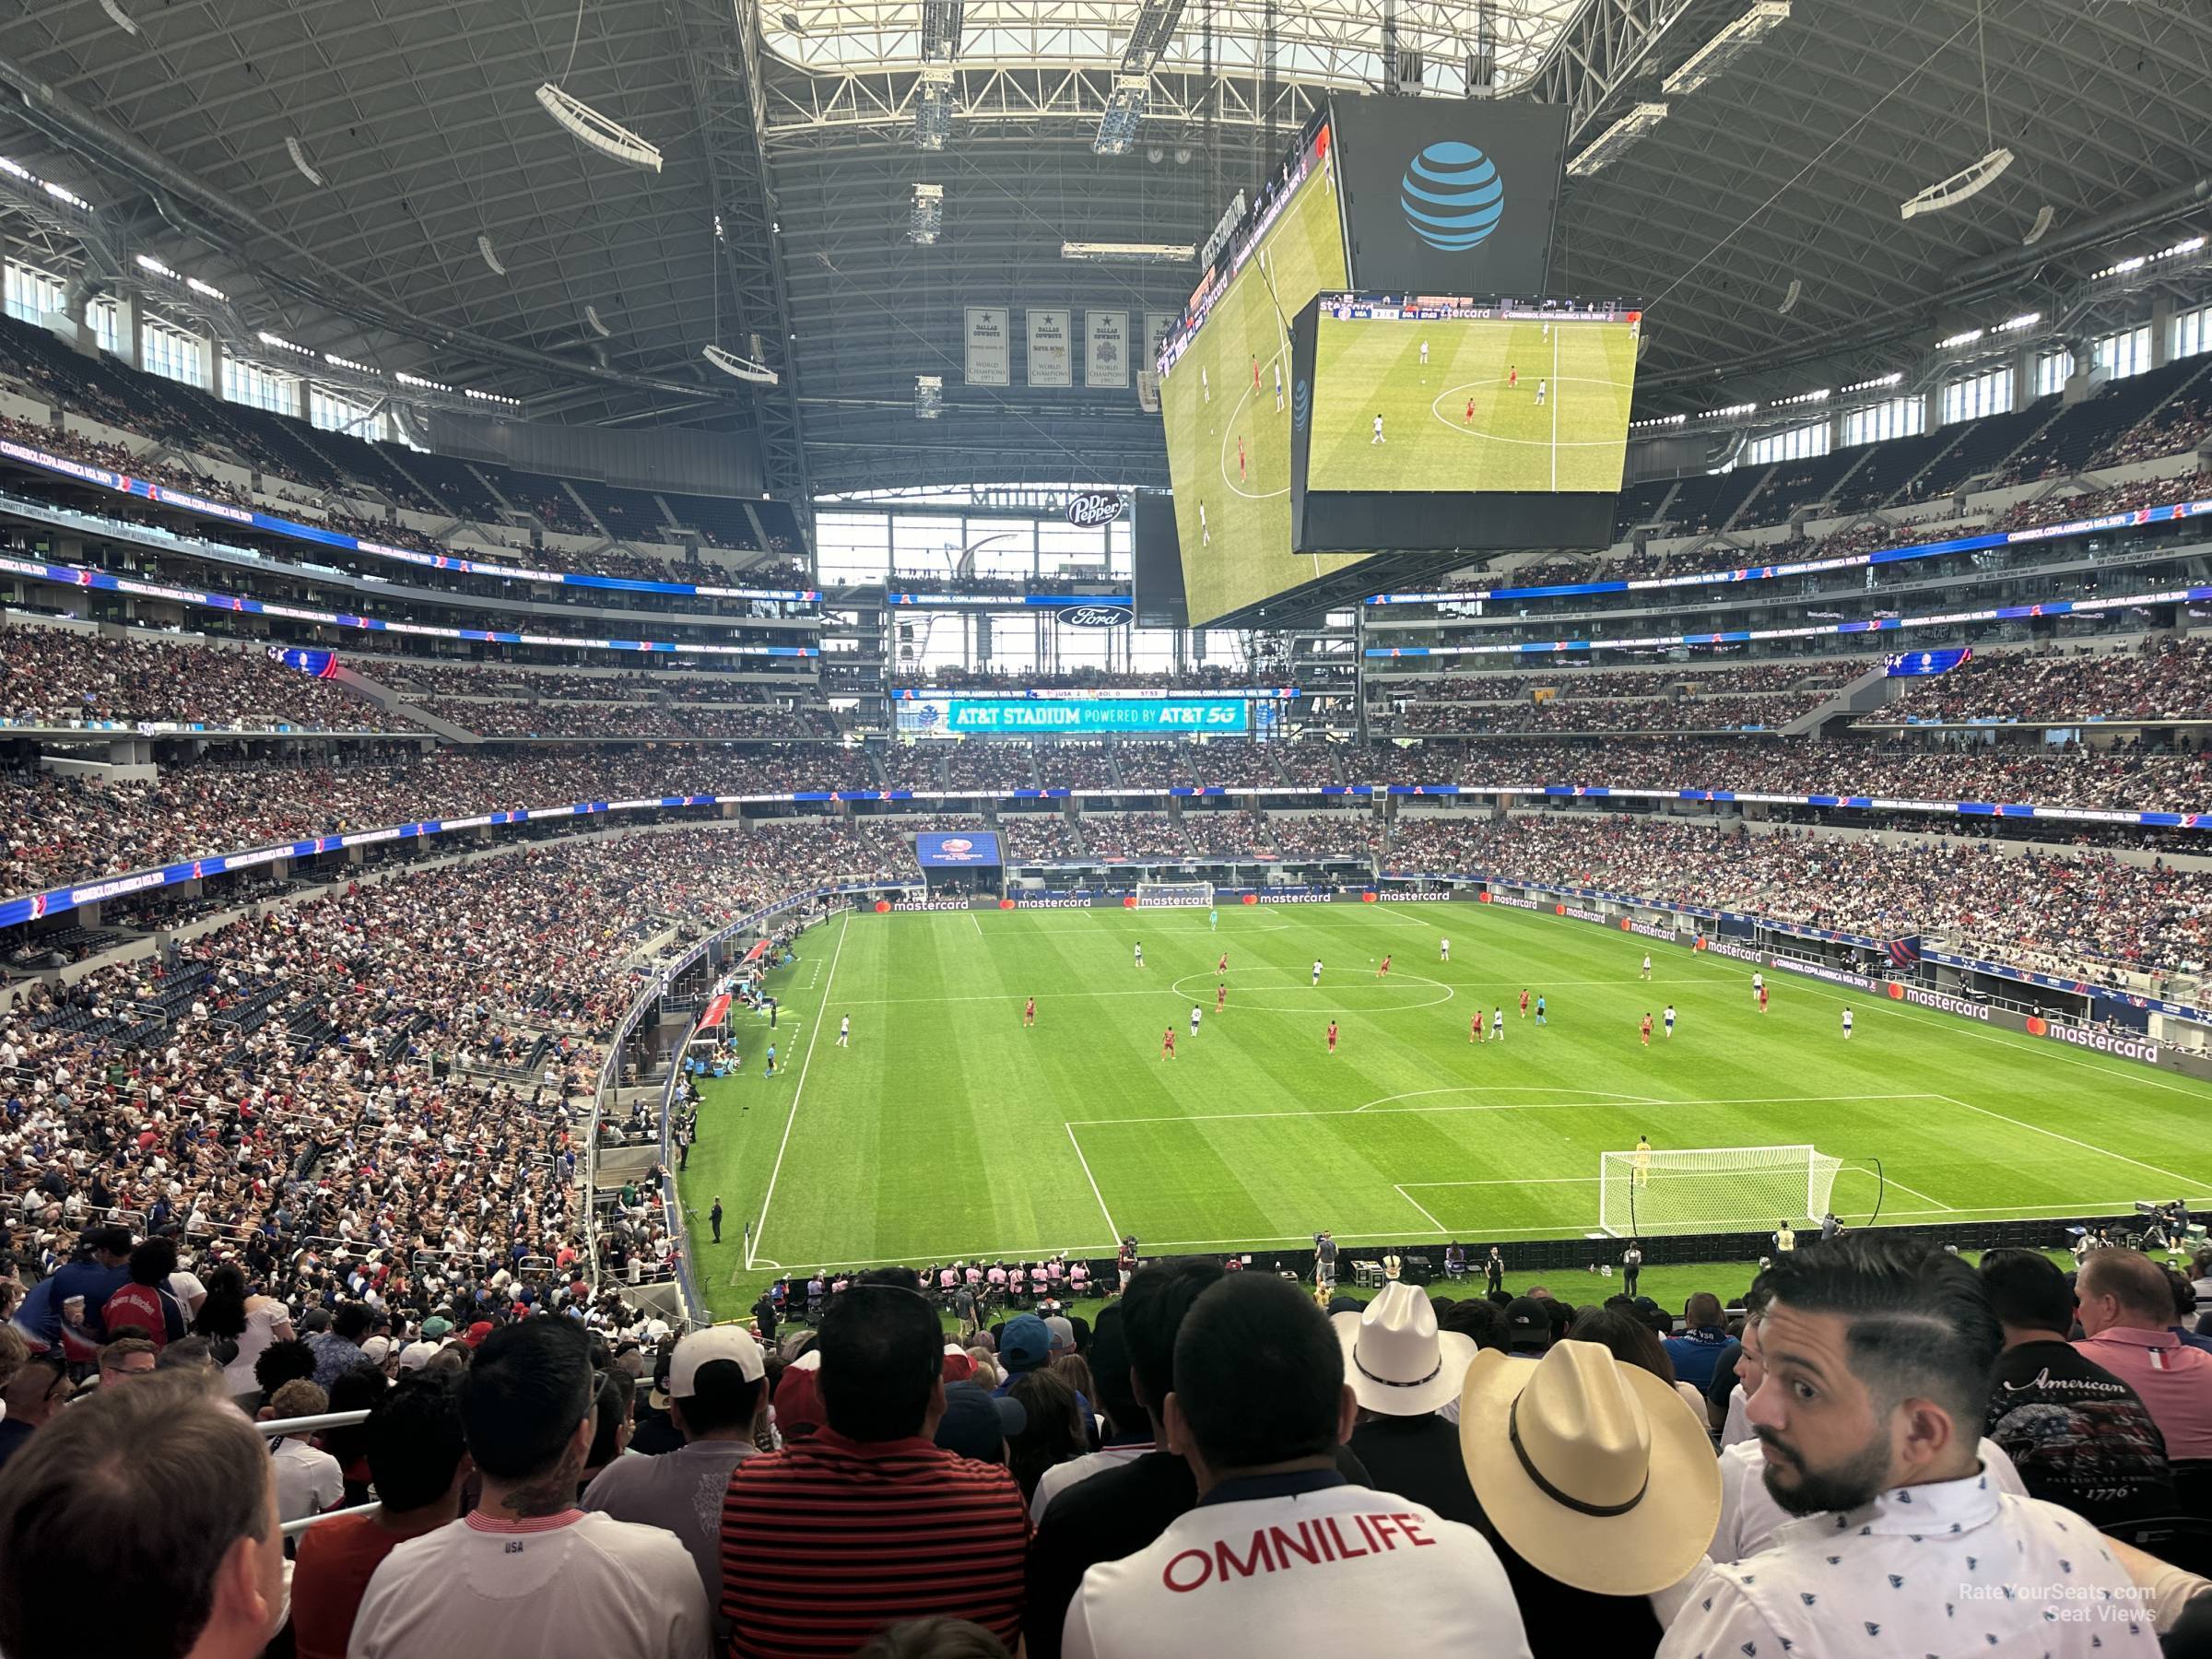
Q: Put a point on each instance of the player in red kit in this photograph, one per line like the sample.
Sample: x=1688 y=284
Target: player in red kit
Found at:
x=1762 y=999
x=1222 y=966
x=1256 y=374
x=1470 y=415
x=1646 y=1032
x=1474 y=1027
x=1028 y=1013
x=1512 y=376
x=1384 y=969
x=1220 y=998
x=1525 y=1004
x=1167 y=1042
x=1332 y=1035
x=1242 y=473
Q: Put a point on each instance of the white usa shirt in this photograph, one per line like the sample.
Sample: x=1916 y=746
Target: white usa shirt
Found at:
x=1750 y=1517
x=1950 y=1569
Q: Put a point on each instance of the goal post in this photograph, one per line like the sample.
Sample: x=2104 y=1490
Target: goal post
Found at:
x=1161 y=895
x=1712 y=1189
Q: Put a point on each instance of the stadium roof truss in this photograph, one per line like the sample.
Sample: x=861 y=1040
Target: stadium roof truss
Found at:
x=791 y=125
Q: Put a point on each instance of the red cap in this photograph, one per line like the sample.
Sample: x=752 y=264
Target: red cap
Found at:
x=475 y=1334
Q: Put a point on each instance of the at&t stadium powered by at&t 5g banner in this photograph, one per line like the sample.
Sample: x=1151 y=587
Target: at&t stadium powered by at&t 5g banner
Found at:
x=1070 y=716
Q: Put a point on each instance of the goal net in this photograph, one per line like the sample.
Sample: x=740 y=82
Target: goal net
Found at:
x=1158 y=894
x=1712 y=1189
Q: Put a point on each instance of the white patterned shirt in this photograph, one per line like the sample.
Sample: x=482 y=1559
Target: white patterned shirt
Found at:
x=1949 y=1568
x=1751 y=1518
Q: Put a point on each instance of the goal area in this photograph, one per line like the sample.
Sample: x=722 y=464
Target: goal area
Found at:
x=1712 y=1189
x=1162 y=895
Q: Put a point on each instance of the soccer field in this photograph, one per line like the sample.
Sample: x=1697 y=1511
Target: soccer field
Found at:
x=1462 y=421
x=1214 y=411
x=945 y=1129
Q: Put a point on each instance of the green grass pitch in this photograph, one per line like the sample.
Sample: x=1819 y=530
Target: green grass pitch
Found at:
x=947 y=1130
x=1241 y=553
x=1459 y=422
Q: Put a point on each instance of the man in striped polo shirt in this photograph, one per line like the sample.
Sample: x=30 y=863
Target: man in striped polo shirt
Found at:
x=869 y=1522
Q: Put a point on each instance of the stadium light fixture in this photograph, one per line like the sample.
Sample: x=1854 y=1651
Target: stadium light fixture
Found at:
x=1896 y=377
x=1611 y=144
x=932 y=107
x=743 y=369
x=941 y=24
x=1124 y=113
x=336 y=361
x=1730 y=411
x=1653 y=422
x=1966 y=182
x=925 y=222
x=16 y=170
x=420 y=383
x=1964 y=337
x=1718 y=55
x=1803 y=397
x=147 y=261
x=1129 y=253
x=206 y=290
x=278 y=343
x=299 y=160
x=606 y=135
x=2014 y=324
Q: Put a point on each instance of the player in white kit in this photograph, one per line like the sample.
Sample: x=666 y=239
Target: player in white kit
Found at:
x=1194 y=1019
x=1670 y=1019
x=1540 y=386
x=1378 y=436
x=1443 y=950
x=1140 y=956
x=1424 y=354
x=1847 y=1024
x=1647 y=964
x=1317 y=971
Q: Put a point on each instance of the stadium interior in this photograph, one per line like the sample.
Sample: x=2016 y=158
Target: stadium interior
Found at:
x=614 y=618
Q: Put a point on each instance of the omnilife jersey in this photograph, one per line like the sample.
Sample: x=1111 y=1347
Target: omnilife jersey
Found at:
x=1299 y=1564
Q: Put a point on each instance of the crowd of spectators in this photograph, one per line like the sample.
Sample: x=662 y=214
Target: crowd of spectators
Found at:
x=575 y=719
x=1763 y=712
x=1747 y=679
x=1074 y=763
x=2184 y=424
x=1219 y=1461
x=60 y=677
x=1130 y=837
x=2073 y=913
x=2163 y=678
x=990 y=763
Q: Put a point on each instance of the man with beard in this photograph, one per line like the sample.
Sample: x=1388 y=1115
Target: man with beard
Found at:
x=1876 y=1355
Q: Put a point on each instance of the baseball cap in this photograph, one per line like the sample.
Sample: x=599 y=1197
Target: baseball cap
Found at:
x=977 y=1424
x=798 y=1397
x=1064 y=1333
x=728 y=1342
x=1527 y=1323
x=436 y=1329
x=1026 y=1342
x=417 y=1354
x=959 y=1365
x=476 y=1333
x=376 y=1349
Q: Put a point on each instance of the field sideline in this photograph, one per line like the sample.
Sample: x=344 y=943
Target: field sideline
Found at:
x=948 y=1130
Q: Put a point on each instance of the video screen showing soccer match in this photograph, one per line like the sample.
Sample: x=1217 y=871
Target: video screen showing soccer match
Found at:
x=1444 y=395
x=1227 y=400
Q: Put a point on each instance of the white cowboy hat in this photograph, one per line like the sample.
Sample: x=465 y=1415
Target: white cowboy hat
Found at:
x=1597 y=1473
x=1398 y=1363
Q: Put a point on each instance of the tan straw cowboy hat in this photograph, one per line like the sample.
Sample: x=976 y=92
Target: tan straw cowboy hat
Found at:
x=1596 y=1472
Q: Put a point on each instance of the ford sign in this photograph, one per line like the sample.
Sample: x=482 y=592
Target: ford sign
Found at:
x=1096 y=616
x=1097 y=507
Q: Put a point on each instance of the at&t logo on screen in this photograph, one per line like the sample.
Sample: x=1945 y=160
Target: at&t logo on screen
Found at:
x=1453 y=196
